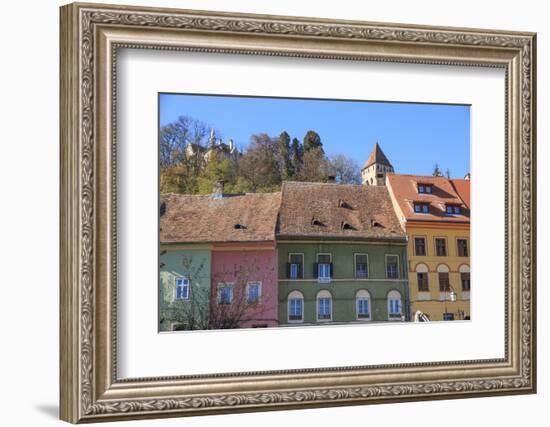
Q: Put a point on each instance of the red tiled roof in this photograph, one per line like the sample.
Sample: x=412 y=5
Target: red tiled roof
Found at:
x=462 y=188
x=323 y=210
x=405 y=193
x=376 y=156
x=204 y=219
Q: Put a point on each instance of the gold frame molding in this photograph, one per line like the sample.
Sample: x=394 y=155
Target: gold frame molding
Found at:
x=90 y=37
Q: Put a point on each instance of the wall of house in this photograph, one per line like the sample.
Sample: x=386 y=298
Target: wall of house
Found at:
x=238 y=265
x=434 y=303
x=343 y=285
x=194 y=263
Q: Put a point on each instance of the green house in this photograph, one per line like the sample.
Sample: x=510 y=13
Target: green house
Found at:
x=342 y=255
x=184 y=287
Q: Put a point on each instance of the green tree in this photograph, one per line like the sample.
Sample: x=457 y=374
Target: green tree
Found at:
x=312 y=140
x=284 y=154
x=217 y=168
x=260 y=163
x=296 y=157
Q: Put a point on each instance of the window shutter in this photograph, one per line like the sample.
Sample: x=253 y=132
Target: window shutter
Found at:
x=331 y=270
x=315 y=270
x=288 y=270
x=300 y=270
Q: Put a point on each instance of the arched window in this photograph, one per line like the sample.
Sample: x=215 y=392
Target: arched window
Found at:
x=443 y=277
x=422 y=278
x=324 y=306
x=465 y=277
x=362 y=305
x=295 y=307
x=394 y=305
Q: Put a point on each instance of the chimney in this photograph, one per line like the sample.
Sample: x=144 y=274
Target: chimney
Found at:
x=217 y=192
x=331 y=179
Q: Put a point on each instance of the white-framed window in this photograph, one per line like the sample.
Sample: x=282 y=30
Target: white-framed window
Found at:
x=394 y=305
x=453 y=210
x=253 y=292
x=361 y=266
x=324 y=267
x=324 y=306
x=421 y=208
x=225 y=293
x=362 y=304
x=425 y=188
x=295 y=307
x=392 y=266
x=182 y=288
x=422 y=278
x=295 y=266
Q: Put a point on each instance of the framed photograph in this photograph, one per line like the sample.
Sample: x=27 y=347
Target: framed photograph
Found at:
x=268 y=212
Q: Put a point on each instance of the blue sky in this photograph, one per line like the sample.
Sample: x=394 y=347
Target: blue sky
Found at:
x=413 y=136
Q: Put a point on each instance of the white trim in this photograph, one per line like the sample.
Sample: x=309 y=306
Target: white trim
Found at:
x=322 y=295
x=302 y=254
x=176 y=288
x=355 y=265
x=464 y=268
x=414 y=237
x=254 y=282
x=386 y=265
x=224 y=285
x=323 y=253
x=369 y=305
x=457 y=238
x=324 y=279
x=442 y=268
x=446 y=246
x=294 y=295
x=390 y=297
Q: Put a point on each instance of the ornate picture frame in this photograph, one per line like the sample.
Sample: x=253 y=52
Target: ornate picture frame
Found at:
x=90 y=37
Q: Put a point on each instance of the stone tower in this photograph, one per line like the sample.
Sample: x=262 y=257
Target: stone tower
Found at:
x=376 y=167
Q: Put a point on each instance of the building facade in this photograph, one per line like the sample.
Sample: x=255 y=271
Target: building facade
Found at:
x=184 y=286
x=341 y=255
x=244 y=278
x=225 y=243
x=435 y=213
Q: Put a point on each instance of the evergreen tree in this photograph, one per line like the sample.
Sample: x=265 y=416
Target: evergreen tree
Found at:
x=437 y=171
x=312 y=140
x=284 y=153
x=296 y=157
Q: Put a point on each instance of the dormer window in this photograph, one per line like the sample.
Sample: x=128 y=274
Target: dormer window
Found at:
x=425 y=188
x=421 y=208
x=347 y=226
x=315 y=221
x=344 y=204
x=452 y=210
x=239 y=227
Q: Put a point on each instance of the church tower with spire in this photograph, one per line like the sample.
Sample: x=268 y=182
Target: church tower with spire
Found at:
x=376 y=167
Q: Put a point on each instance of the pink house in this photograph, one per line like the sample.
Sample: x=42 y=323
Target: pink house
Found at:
x=244 y=264
x=244 y=285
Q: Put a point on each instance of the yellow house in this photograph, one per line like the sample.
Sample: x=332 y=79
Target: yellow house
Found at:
x=435 y=214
